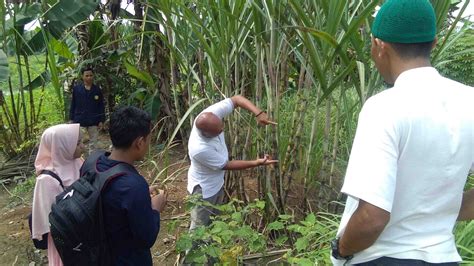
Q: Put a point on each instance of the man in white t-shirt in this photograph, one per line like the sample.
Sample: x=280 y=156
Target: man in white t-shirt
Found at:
x=209 y=155
x=412 y=153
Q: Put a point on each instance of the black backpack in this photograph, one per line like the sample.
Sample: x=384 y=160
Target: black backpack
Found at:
x=43 y=243
x=76 y=219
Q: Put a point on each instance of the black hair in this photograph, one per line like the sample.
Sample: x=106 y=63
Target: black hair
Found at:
x=87 y=68
x=127 y=124
x=413 y=50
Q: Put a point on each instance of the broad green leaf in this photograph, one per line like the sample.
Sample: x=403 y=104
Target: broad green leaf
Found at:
x=138 y=94
x=153 y=105
x=196 y=257
x=237 y=216
x=36 y=44
x=140 y=75
x=68 y=13
x=277 y=225
x=301 y=261
x=39 y=81
x=301 y=244
x=97 y=36
x=61 y=49
x=285 y=217
x=260 y=204
x=280 y=241
x=184 y=243
x=311 y=218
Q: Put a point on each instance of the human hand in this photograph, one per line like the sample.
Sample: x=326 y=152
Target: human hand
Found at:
x=158 y=202
x=153 y=190
x=262 y=119
x=100 y=126
x=266 y=160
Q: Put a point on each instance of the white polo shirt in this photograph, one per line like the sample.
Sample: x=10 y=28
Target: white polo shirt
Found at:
x=208 y=155
x=411 y=155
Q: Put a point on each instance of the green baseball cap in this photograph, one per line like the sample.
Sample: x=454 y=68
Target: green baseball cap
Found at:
x=405 y=21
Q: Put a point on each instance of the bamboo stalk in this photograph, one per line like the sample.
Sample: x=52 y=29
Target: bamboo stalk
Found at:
x=301 y=111
x=327 y=131
x=16 y=123
x=22 y=105
x=335 y=143
x=43 y=87
x=314 y=126
x=30 y=90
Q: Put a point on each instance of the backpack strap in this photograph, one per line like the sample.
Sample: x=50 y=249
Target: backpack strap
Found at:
x=115 y=171
x=91 y=162
x=103 y=178
x=52 y=174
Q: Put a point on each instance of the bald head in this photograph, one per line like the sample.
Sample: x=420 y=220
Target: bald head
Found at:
x=209 y=124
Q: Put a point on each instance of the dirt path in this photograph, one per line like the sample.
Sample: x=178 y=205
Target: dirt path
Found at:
x=16 y=247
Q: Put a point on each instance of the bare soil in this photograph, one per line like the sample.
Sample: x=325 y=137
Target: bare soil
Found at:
x=16 y=247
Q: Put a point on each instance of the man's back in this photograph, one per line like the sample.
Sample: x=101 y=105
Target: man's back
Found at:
x=131 y=224
x=414 y=146
x=208 y=155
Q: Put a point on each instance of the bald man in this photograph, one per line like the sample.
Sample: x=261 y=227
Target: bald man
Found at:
x=210 y=158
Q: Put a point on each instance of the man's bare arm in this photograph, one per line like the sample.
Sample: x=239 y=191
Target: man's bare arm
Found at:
x=260 y=115
x=241 y=164
x=467 y=206
x=363 y=228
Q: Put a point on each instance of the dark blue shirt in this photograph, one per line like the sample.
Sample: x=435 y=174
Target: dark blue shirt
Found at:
x=131 y=225
x=87 y=106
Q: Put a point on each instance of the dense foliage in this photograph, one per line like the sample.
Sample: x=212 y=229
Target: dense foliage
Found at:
x=306 y=63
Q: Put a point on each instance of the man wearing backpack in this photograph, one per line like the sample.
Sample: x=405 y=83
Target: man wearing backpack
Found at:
x=131 y=215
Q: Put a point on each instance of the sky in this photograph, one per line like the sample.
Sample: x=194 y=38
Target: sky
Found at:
x=469 y=10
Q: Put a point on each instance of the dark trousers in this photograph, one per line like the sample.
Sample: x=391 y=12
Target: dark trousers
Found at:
x=387 y=261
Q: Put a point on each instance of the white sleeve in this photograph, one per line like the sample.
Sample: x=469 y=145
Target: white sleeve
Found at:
x=221 y=109
x=372 y=170
x=211 y=158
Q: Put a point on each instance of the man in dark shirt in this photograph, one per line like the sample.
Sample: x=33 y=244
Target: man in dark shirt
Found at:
x=87 y=106
x=131 y=213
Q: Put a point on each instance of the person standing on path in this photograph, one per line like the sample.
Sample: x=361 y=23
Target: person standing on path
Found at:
x=87 y=107
x=60 y=152
x=210 y=158
x=131 y=208
x=412 y=152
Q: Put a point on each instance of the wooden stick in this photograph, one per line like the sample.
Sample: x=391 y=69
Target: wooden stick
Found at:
x=266 y=254
x=22 y=199
x=177 y=217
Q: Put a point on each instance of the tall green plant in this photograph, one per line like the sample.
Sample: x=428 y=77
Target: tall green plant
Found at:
x=268 y=51
x=21 y=109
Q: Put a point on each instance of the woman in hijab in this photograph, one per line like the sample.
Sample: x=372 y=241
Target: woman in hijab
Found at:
x=59 y=151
